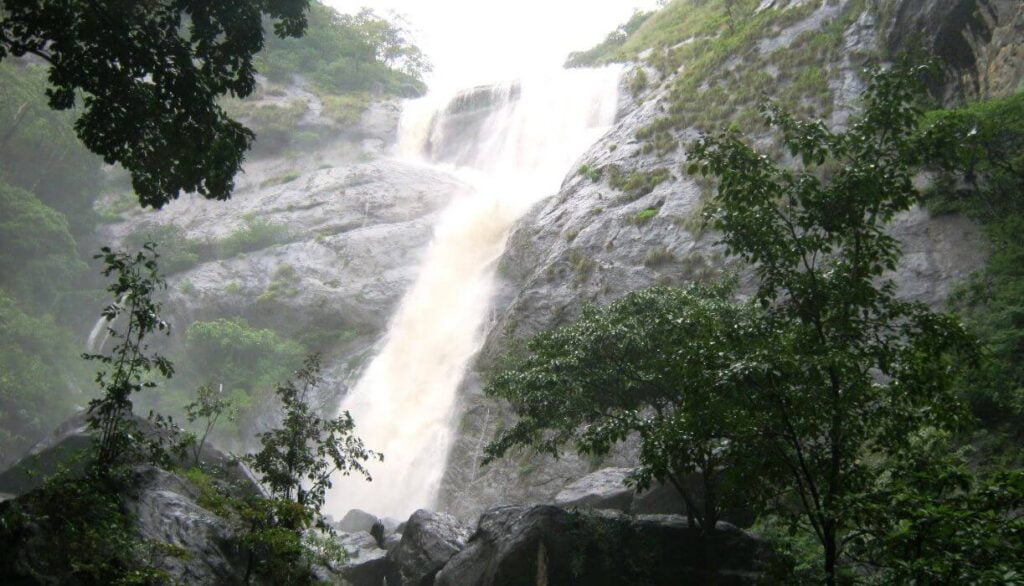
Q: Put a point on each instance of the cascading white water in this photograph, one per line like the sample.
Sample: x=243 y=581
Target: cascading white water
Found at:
x=98 y=336
x=517 y=148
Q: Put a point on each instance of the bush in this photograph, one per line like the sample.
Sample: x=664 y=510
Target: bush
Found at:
x=242 y=361
x=37 y=361
x=347 y=53
x=638 y=183
x=38 y=256
x=979 y=152
x=644 y=216
x=177 y=251
x=255 y=234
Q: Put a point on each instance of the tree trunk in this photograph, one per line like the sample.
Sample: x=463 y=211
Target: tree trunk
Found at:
x=831 y=552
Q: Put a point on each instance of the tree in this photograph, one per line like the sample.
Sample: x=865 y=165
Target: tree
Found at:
x=208 y=406
x=656 y=363
x=929 y=520
x=852 y=372
x=296 y=461
x=149 y=75
x=126 y=370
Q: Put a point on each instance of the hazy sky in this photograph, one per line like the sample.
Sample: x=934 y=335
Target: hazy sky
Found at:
x=480 y=41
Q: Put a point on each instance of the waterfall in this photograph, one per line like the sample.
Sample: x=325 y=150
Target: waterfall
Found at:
x=513 y=144
x=100 y=333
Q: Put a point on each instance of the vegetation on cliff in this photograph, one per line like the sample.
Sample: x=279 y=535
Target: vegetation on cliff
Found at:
x=50 y=183
x=831 y=403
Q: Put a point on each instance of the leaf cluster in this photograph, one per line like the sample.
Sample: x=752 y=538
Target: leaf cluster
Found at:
x=125 y=371
x=148 y=75
x=297 y=460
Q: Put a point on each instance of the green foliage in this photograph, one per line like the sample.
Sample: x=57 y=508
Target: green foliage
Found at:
x=126 y=370
x=75 y=529
x=637 y=183
x=149 y=94
x=347 y=54
x=208 y=407
x=582 y=266
x=852 y=370
x=35 y=373
x=38 y=256
x=346 y=110
x=254 y=234
x=658 y=363
x=39 y=151
x=931 y=521
x=711 y=51
x=592 y=173
x=820 y=389
x=978 y=152
x=78 y=533
x=637 y=82
x=242 y=361
x=181 y=253
x=274 y=124
x=607 y=49
x=282 y=284
x=644 y=216
x=178 y=252
x=296 y=461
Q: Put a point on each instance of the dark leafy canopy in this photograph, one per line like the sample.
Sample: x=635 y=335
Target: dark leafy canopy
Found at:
x=978 y=152
x=658 y=363
x=854 y=371
x=149 y=75
x=931 y=521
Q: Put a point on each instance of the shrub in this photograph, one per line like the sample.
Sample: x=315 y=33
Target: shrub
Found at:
x=254 y=234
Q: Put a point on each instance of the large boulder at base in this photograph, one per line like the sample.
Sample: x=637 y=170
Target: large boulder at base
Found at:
x=356 y=520
x=543 y=544
x=61 y=449
x=429 y=540
x=67 y=448
x=366 y=561
x=604 y=489
x=167 y=513
x=664 y=499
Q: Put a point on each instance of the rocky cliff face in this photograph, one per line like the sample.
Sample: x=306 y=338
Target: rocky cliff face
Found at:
x=592 y=242
x=349 y=226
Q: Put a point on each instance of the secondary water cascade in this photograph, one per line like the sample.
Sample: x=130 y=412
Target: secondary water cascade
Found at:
x=512 y=144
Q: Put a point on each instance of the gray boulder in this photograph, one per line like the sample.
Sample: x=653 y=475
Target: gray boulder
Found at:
x=167 y=513
x=604 y=489
x=366 y=563
x=67 y=447
x=392 y=525
x=428 y=542
x=664 y=499
x=356 y=520
x=392 y=541
x=543 y=544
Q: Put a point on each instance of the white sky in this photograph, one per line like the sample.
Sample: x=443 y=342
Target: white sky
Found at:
x=482 y=41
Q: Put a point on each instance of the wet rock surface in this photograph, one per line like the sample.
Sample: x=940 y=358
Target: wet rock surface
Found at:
x=604 y=489
x=547 y=545
x=429 y=540
x=366 y=564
